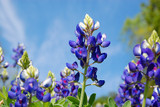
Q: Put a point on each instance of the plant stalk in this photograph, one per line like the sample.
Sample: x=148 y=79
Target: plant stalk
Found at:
x=30 y=100
x=84 y=78
x=145 y=92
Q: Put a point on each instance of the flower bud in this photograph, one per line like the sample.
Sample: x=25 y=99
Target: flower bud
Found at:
x=97 y=25
x=47 y=83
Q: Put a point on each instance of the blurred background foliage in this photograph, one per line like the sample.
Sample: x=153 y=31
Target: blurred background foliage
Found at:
x=99 y=102
x=137 y=28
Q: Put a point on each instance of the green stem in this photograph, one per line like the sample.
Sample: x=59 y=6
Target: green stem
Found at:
x=145 y=92
x=30 y=100
x=84 y=79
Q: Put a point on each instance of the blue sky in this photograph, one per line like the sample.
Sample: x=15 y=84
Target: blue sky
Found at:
x=45 y=27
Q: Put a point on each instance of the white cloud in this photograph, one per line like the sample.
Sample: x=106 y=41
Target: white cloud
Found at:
x=52 y=51
x=11 y=26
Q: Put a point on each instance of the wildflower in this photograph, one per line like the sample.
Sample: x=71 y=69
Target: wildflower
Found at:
x=40 y=95
x=31 y=85
x=21 y=101
x=15 y=91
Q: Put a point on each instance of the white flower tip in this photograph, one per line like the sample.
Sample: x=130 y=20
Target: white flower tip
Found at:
x=103 y=37
x=97 y=25
x=82 y=25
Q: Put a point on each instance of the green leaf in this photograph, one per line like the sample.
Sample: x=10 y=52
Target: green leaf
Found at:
x=2 y=96
x=5 y=93
x=112 y=102
x=10 y=101
x=46 y=104
x=73 y=100
x=106 y=105
x=92 y=98
x=61 y=101
x=53 y=101
x=73 y=105
x=127 y=104
x=66 y=104
x=79 y=92
x=57 y=105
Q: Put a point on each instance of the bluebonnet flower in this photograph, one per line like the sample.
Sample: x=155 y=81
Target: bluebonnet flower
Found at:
x=40 y=95
x=21 y=101
x=74 y=90
x=47 y=83
x=65 y=92
x=91 y=73
x=4 y=75
x=14 y=92
x=77 y=77
x=146 y=68
x=91 y=41
x=97 y=56
x=18 y=53
x=100 y=83
x=81 y=53
x=72 y=66
x=131 y=89
x=86 y=47
x=157 y=48
x=30 y=72
x=31 y=85
x=6 y=65
x=66 y=86
x=57 y=88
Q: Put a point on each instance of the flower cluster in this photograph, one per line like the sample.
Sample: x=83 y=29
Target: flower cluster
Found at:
x=18 y=53
x=67 y=86
x=24 y=93
x=26 y=85
x=87 y=47
x=142 y=75
x=131 y=89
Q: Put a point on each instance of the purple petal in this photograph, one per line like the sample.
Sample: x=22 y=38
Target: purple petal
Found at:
x=105 y=44
x=137 y=50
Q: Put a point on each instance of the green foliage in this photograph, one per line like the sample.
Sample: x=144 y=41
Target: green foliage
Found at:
x=104 y=99
x=47 y=104
x=87 y=103
x=2 y=96
x=111 y=102
x=92 y=98
x=127 y=104
x=143 y=23
x=5 y=93
x=5 y=98
x=57 y=105
x=74 y=100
